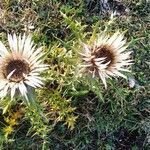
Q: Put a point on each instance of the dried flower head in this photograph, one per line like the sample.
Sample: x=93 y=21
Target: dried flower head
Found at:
x=106 y=57
x=20 y=66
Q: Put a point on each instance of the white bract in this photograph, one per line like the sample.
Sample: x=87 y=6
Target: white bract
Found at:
x=106 y=57
x=20 y=66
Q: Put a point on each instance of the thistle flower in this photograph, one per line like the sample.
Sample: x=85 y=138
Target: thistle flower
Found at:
x=20 y=66
x=106 y=57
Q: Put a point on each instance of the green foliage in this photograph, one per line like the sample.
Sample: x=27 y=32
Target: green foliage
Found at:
x=72 y=111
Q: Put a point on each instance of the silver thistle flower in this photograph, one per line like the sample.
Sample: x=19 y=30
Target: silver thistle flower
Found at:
x=106 y=57
x=20 y=66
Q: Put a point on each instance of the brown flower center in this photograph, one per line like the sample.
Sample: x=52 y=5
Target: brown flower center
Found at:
x=19 y=67
x=102 y=52
x=105 y=52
